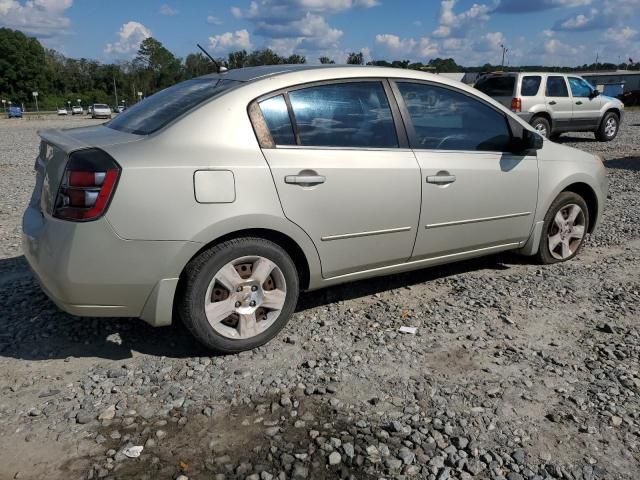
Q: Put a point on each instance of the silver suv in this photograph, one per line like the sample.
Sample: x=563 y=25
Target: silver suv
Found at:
x=222 y=197
x=554 y=103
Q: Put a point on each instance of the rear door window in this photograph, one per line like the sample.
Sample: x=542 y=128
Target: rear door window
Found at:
x=349 y=115
x=497 y=86
x=557 y=87
x=276 y=115
x=530 y=86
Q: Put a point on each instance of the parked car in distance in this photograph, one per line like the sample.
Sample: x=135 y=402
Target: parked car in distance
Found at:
x=62 y=111
x=631 y=98
x=89 y=109
x=120 y=108
x=100 y=110
x=221 y=197
x=554 y=103
x=14 y=112
x=76 y=110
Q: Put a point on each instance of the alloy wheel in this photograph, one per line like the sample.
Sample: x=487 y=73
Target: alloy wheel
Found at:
x=245 y=297
x=566 y=232
x=611 y=127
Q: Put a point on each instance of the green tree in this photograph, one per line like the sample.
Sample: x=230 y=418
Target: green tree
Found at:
x=294 y=59
x=445 y=65
x=355 y=58
x=196 y=64
x=326 y=60
x=237 y=59
x=263 y=57
x=157 y=66
x=22 y=66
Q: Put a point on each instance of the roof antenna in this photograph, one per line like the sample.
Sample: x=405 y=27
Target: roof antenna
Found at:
x=219 y=69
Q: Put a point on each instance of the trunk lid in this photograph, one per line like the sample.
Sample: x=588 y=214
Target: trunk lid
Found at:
x=55 y=148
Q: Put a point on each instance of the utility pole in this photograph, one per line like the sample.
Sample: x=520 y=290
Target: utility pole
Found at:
x=504 y=53
x=597 y=58
x=115 y=90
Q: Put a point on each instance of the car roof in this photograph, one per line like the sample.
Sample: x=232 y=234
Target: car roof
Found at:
x=248 y=74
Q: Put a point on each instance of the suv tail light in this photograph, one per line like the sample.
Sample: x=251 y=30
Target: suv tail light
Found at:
x=516 y=105
x=87 y=186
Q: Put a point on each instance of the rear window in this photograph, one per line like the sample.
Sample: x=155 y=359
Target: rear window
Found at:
x=530 y=86
x=497 y=86
x=100 y=105
x=160 y=109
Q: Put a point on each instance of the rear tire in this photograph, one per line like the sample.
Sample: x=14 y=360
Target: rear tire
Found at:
x=238 y=294
x=609 y=128
x=564 y=230
x=542 y=126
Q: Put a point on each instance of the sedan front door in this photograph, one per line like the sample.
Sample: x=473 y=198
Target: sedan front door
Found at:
x=477 y=197
x=344 y=173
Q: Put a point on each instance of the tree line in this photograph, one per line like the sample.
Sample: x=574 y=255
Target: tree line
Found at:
x=27 y=67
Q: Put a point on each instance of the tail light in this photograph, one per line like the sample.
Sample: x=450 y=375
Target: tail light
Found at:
x=516 y=105
x=87 y=186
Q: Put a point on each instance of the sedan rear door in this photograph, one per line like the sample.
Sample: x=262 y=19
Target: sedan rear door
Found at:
x=343 y=170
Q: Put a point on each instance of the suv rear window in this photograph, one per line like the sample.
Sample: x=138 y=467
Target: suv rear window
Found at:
x=497 y=85
x=530 y=86
x=161 y=108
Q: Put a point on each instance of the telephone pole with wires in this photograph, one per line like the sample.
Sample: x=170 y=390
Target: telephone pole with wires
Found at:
x=505 y=50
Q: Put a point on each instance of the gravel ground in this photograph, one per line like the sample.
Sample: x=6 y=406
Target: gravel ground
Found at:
x=516 y=372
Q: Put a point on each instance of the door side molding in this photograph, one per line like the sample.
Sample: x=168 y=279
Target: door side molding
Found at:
x=477 y=220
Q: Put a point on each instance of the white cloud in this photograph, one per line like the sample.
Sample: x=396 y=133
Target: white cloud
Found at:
x=555 y=47
x=43 y=18
x=130 y=36
x=423 y=48
x=211 y=20
x=229 y=41
x=621 y=36
x=168 y=11
x=452 y=24
x=299 y=25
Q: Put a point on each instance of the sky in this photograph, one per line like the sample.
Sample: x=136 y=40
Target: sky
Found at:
x=535 y=32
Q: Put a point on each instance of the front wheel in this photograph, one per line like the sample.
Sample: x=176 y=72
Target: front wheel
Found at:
x=608 y=128
x=564 y=230
x=239 y=294
x=542 y=126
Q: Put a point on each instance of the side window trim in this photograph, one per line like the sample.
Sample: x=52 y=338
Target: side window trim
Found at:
x=406 y=116
x=396 y=115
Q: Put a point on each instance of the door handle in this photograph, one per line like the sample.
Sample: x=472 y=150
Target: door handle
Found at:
x=441 y=179
x=578 y=103
x=553 y=102
x=304 y=180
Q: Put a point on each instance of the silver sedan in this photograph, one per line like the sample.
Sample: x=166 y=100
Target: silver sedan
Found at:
x=222 y=197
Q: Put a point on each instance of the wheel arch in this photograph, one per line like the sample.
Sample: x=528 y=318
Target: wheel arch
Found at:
x=543 y=114
x=281 y=239
x=590 y=198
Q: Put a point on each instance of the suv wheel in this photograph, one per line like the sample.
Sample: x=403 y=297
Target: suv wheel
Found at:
x=542 y=126
x=608 y=128
x=239 y=294
x=565 y=229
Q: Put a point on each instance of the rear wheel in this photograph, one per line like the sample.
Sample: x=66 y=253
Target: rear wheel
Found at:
x=239 y=294
x=608 y=127
x=565 y=229
x=542 y=126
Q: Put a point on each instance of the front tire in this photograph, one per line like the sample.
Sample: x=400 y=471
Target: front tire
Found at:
x=542 y=126
x=609 y=128
x=239 y=294
x=564 y=230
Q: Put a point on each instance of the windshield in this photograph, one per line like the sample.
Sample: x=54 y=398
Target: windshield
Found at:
x=159 y=109
x=497 y=86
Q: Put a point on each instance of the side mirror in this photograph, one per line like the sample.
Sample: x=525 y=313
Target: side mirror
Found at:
x=523 y=139
x=594 y=94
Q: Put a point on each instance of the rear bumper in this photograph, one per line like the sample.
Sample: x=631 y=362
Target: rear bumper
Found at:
x=87 y=270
